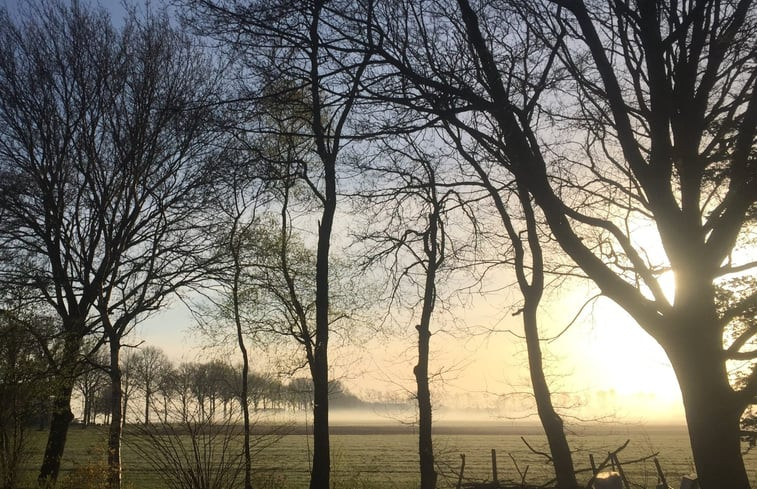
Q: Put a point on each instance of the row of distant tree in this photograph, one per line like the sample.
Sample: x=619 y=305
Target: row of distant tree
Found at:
x=156 y=388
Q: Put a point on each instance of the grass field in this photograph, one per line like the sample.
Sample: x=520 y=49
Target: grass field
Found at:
x=386 y=456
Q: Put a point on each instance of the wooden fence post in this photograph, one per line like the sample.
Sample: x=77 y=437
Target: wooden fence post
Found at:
x=494 y=467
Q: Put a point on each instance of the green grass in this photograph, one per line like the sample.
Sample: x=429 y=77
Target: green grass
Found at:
x=387 y=461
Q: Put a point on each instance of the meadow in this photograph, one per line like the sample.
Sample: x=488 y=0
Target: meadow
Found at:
x=378 y=457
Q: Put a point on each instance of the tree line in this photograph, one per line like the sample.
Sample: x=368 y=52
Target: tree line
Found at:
x=156 y=388
x=216 y=153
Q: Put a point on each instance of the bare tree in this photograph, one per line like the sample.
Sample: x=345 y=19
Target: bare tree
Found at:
x=50 y=94
x=661 y=130
x=408 y=206
x=528 y=264
x=106 y=133
x=129 y=384
x=301 y=44
x=237 y=196
x=150 y=366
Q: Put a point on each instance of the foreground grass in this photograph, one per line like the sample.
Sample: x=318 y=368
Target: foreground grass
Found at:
x=383 y=460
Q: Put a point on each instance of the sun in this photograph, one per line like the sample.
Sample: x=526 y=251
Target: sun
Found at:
x=609 y=352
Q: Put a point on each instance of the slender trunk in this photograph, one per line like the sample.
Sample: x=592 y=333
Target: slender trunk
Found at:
x=550 y=420
x=319 y=366
x=147 y=405
x=321 y=473
x=425 y=442
x=85 y=409
x=61 y=416
x=244 y=395
x=116 y=421
x=532 y=294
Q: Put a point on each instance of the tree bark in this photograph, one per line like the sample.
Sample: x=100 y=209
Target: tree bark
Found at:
x=61 y=413
x=56 y=440
x=321 y=472
x=147 y=405
x=117 y=418
x=425 y=442
x=319 y=368
x=712 y=407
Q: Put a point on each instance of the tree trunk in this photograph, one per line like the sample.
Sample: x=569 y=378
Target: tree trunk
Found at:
x=62 y=416
x=550 y=420
x=532 y=294
x=320 y=475
x=244 y=397
x=85 y=409
x=147 y=405
x=116 y=420
x=124 y=405
x=712 y=410
x=425 y=442
x=56 y=439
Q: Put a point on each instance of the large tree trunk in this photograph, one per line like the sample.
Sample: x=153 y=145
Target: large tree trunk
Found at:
x=712 y=408
x=550 y=420
x=61 y=414
x=116 y=420
x=56 y=439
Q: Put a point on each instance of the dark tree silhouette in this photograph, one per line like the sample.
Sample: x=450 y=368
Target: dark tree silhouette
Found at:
x=407 y=205
x=613 y=116
x=105 y=134
x=295 y=51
